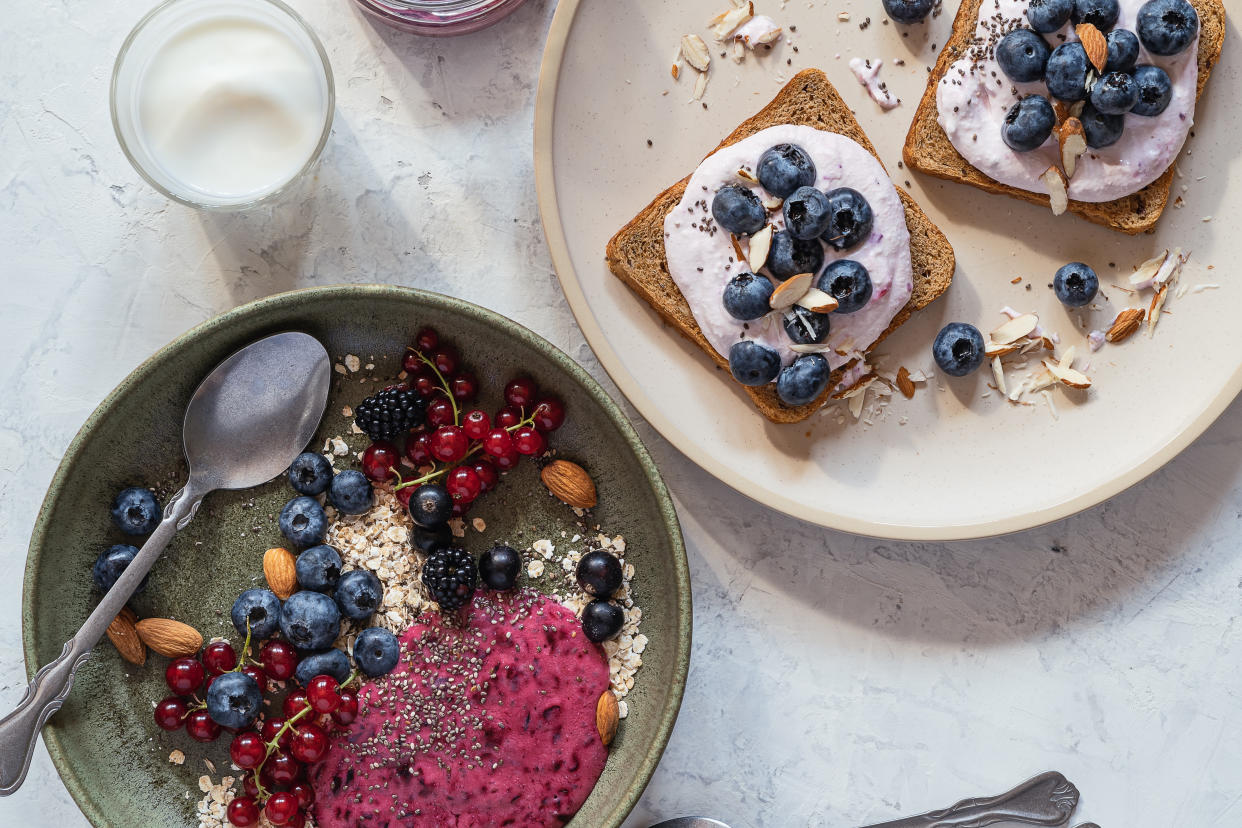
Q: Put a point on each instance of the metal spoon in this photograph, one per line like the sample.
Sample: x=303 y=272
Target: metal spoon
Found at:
x=690 y=822
x=245 y=424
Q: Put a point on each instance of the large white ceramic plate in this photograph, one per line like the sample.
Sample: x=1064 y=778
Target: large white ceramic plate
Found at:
x=956 y=461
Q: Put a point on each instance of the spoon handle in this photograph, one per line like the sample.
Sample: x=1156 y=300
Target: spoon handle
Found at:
x=50 y=686
x=1049 y=799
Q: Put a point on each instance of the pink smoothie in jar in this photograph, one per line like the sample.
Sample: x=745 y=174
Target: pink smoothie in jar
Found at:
x=439 y=17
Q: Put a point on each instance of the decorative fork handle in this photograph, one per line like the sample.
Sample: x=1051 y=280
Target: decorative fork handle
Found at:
x=50 y=686
x=1049 y=799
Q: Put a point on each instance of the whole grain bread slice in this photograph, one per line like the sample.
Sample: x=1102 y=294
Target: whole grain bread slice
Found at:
x=929 y=150
x=636 y=253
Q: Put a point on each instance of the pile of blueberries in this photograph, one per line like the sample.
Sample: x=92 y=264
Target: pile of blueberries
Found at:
x=1165 y=27
x=841 y=219
x=135 y=511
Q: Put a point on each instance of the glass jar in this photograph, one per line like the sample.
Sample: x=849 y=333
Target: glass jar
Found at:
x=439 y=17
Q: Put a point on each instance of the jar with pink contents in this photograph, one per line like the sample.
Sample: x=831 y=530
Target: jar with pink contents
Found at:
x=439 y=17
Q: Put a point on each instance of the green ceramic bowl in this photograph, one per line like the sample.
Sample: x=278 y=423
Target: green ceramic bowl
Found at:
x=104 y=743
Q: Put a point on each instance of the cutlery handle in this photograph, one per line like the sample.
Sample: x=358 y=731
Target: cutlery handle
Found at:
x=1049 y=799
x=50 y=686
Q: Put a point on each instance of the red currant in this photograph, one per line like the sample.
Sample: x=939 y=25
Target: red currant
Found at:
x=281 y=807
x=243 y=812
x=463 y=484
x=247 y=750
x=250 y=786
x=298 y=820
x=219 y=657
x=279 y=660
x=305 y=794
x=185 y=676
x=425 y=385
x=549 y=414
x=271 y=727
x=295 y=703
x=427 y=340
x=529 y=441
x=508 y=460
x=379 y=460
x=170 y=713
x=282 y=768
x=486 y=472
x=449 y=444
x=507 y=417
x=201 y=727
x=405 y=494
x=413 y=365
x=323 y=694
x=348 y=709
x=460 y=507
x=445 y=360
x=464 y=387
x=440 y=412
x=476 y=424
x=256 y=673
x=520 y=393
x=309 y=744
x=417 y=449
x=497 y=442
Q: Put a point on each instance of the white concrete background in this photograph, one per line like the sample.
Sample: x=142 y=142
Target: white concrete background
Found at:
x=836 y=680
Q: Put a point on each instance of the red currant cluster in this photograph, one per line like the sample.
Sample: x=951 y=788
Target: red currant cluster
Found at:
x=464 y=449
x=274 y=754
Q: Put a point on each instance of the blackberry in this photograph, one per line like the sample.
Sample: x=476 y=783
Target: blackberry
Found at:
x=451 y=576
x=390 y=413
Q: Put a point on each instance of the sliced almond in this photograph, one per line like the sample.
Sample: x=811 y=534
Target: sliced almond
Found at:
x=700 y=86
x=760 y=244
x=725 y=23
x=998 y=372
x=820 y=348
x=1094 y=44
x=1058 y=189
x=1147 y=271
x=1153 y=313
x=904 y=384
x=694 y=50
x=1068 y=376
x=1067 y=358
x=1170 y=268
x=1126 y=323
x=787 y=293
x=992 y=349
x=739 y=256
x=771 y=202
x=818 y=301
x=747 y=175
x=1073 y=143
x=1017 y=328
x=739 y=50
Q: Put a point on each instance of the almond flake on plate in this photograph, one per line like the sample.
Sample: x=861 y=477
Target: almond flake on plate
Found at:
x=725 y=23
x=1017 y=328
x=1145 y=274
x=998 y=371
x=700 y=86
x=1153 y=313
x=1067 y=376
x=694 y=50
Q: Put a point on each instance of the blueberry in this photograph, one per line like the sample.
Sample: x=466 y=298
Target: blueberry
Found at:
x=351 y=493
x=849 y=219
x=1123 y=50
x=359 y=594
x=784 y=168
x=1066 y=73
x=1102 y=14
x=234 y=700
x=258 y=608
x=1114 y=94
x=1028 y=123
x=310 y=620
x=746 y=296
x=111 y=563
x=1022 y=55
x=1075 y=285
x=599 y=573
x=376 y=651
x=303 y=522
x=319 y=568
x=806 y=213
x=849 y=283
x=787 y=257
x=805 y=327
x=958 y=349
x=1046 y=16
x=908 y=11
x=333 y=663
x=429 y=540
x=135 y=511
x=1167 y=27
x=601 y=620
x=310 y=473
x=1155 y=90
x=499 y=567
x=738 y=210
x=752 y=363
x=431 y=506
x=803 y=380
x=1101 y=128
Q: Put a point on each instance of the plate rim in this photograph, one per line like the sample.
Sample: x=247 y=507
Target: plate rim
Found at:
x=558 y=247
x=81 y=793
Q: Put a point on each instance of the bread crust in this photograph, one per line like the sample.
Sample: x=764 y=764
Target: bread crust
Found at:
x=636 y=253
x=929 y=150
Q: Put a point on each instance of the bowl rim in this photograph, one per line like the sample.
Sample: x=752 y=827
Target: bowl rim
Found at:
x=131 y=384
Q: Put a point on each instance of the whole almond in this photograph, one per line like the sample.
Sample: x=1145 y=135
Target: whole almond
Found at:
x=280 y=570
x=569 y=483
x=1094 y=44
x=607 y=717
x=124 y=636
x=1126 y=323
x=169 y=638
x=904 y=383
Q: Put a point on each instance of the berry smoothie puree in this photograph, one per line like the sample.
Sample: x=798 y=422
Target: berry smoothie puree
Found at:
x=488 y=720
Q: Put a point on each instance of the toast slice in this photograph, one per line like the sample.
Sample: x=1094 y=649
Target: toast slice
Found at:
x=929 y=150
x=636 y=253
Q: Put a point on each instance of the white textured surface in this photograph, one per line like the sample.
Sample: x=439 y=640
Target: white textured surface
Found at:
x=836 y=679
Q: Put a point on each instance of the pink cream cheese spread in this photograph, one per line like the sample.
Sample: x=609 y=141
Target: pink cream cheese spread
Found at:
x=487 y=720
x=974 y=95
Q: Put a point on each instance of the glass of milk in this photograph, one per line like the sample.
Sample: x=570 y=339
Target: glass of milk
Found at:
x=222 y=103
